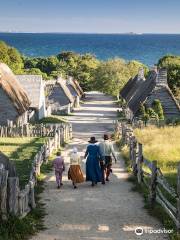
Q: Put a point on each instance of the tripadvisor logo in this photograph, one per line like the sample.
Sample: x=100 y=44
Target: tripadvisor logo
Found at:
x=139 y=231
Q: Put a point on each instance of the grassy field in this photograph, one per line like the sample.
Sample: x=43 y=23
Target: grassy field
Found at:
x=163 y=145
x=21 y=151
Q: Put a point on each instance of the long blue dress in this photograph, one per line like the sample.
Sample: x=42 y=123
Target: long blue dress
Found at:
x=93 y=170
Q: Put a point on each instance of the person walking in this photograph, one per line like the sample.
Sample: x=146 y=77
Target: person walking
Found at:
x=75 y=173
x=93 y=155
x=107 y=151
x=59 y=167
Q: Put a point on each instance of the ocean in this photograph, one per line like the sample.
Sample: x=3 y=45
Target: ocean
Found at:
x=147 y=48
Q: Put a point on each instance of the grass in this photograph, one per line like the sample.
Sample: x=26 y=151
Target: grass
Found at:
x=53 y=119
x=21 y=151
x=163 y=145
x=21 y=229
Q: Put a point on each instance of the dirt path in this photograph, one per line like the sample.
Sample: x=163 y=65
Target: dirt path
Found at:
x=110 y=212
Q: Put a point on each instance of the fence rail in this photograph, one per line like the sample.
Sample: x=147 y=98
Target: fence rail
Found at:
x=152 y=177
x=14 y=201
x=28 y=130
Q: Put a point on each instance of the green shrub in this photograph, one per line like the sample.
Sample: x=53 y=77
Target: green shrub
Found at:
x=157 y=106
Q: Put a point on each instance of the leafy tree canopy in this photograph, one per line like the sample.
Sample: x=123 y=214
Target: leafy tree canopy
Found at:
x=113 y=74
x=11 y=57
x=172 y=64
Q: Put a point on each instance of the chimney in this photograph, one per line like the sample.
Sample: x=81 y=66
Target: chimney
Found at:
x=154 y=69
x=161 y=78
x=141 y=74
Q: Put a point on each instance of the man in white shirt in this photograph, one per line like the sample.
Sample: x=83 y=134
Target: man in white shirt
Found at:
x=107 y=151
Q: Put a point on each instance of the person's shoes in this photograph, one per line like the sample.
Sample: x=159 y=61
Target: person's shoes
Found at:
x=92 y=184
x=61 y=184
x=107 y=179
x=103 y=182
x=75 y=187
x=58 y=187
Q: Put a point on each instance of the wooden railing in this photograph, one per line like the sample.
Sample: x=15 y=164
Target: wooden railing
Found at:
x=151 y=176
x=14 y=201
x=28 y=130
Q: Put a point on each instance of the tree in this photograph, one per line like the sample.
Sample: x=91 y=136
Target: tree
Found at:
x=85 y=71
x=134 y=66
x=112 y=75
x=35 y=71
x=157 y=106
x=15 y=60
x=172 y=64
x=152 y=114
x=11 y=57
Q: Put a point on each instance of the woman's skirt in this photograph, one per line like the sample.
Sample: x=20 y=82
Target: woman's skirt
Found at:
x=75 y=174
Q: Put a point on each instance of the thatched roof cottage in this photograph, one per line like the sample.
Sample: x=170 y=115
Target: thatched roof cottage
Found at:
x=34 y=86
x=59 y=96
x=75 y=92
x=140 y=90
x=78 y=87
x=14 y=102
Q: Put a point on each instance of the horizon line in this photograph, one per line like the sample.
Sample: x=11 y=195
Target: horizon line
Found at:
x=120 y=33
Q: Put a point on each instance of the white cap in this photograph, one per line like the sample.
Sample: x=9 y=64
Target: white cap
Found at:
x=75 y=150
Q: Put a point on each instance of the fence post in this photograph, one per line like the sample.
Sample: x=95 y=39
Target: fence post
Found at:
x=12 y=195
x=59 y=137
x=3 y=193
x=178 y=198
x=70 y=131
x=134 y=155
x=123 y=133
x=62 y=136
x=31 y=195
x=139 y=163
x=46 y=152
x=152 y=190
x=130 y=148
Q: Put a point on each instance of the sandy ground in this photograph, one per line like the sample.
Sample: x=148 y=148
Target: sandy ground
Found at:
x=105 y=212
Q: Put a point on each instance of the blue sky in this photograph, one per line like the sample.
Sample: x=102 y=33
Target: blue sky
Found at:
x=97 y=16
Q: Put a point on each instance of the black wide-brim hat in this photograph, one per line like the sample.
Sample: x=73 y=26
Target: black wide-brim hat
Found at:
x=92 y=140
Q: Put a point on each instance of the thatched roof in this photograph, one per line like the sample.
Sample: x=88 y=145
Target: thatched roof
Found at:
x=13 y=89
x=142 y=91
x=72 y=87
x=72 y=90
x=154 y=87
x=78 y=87
x=132 y=85
x=67 y=92
x=75 y=86
x=57 y=96
x=33 y=85
x=58 y=92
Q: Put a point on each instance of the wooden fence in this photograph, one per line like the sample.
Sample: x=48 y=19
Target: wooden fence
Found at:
x=28 y=130
x=14 y=201
x=157 y=185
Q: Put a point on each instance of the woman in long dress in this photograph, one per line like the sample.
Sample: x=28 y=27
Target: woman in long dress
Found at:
x=75 y=173
x=93 y=170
